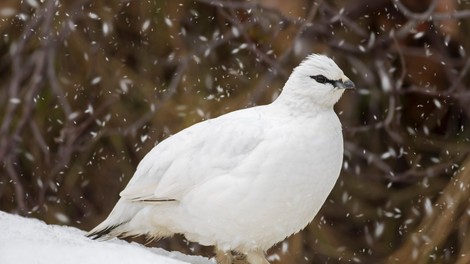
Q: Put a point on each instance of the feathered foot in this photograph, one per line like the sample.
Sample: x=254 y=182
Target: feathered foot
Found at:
x=255 y=257
x=223 y=257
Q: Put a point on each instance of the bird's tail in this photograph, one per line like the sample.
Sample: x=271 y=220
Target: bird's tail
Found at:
x=103 y=231
x=115 y=224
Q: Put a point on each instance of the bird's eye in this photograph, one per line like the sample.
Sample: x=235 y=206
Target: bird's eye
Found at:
x=319 y=78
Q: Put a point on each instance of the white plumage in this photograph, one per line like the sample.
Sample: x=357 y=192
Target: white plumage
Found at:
x=245 y=180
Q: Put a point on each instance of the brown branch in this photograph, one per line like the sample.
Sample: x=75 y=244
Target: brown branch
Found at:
x=436 y=226
x=18 y=187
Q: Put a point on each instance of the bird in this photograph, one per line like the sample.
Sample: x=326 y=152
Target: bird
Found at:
x=246 y=180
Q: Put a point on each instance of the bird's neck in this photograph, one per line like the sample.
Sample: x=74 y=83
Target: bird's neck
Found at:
x=297 y=105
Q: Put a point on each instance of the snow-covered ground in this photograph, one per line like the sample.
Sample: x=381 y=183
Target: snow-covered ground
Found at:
x=27 y=241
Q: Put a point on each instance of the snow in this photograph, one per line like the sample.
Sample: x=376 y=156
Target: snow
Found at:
x=26 y=240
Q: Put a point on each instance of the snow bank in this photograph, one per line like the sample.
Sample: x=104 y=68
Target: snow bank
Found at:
x=25 y=240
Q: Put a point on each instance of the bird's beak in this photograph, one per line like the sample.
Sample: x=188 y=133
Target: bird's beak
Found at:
x=347 y=84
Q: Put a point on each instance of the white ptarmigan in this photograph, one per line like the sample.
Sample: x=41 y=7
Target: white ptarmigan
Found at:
x=246 y=180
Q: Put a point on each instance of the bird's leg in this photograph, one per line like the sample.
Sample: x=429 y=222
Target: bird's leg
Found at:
x=223 y=257
x=256 y=257
x=239 y=258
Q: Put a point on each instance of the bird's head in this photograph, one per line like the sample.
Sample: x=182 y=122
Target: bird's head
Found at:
x=317 y=80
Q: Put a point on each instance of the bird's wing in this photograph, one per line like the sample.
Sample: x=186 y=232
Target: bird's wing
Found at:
x=195 y=155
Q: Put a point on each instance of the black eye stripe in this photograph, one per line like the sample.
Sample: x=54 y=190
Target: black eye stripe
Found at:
x=323 y=79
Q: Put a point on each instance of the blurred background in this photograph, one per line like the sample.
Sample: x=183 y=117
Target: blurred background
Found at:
x=87 y=88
